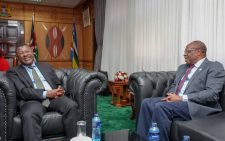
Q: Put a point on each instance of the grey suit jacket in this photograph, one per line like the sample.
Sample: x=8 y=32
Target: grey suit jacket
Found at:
x=203 y=88
x=23 y=83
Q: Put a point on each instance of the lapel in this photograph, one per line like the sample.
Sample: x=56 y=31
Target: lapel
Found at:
x=181 y=74
x=197 y=72
x=23 y=72
x=45 y=73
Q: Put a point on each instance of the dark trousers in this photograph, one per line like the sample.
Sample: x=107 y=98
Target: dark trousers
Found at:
x=163 y=113
x=32 y=112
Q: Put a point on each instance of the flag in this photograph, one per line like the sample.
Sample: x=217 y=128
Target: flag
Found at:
x=73 y=49
x=33 y=43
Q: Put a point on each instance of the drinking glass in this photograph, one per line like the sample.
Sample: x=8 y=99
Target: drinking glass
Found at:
x=81 y=128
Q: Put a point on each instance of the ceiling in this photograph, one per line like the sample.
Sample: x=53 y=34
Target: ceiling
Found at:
x=57 y=3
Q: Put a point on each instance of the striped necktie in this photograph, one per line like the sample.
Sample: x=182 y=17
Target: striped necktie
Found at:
x=39 y=85
x=37 y=79
x=181 y=83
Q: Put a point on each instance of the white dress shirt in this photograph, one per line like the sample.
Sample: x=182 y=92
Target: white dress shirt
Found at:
x=193 y=70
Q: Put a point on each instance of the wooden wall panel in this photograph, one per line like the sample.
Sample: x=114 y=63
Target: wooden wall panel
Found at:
x=53 y=14
x=88 y=43
x=27 y=31
x=64 y=15
x=87 y=60
x=17 y=11
x=86 y=65
x=45 y=13
x=78 y=16
x=28 y=12
x=88 y=47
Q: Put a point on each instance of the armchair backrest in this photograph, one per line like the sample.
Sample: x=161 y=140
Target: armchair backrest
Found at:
x=161 y=82
x=151 y=84
x=63 y=74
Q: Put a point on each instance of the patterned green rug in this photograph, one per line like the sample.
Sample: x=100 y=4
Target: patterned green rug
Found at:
x=114 y=118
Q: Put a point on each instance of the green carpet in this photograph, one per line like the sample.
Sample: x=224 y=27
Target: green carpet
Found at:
x=114 y=118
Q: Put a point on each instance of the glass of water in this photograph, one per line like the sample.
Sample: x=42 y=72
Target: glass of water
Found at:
x=81 y=128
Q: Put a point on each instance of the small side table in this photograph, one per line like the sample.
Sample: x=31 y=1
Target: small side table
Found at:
x=119 y=89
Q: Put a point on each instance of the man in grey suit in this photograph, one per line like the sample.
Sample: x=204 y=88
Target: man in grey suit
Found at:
x=39 y=90
x=194 y=93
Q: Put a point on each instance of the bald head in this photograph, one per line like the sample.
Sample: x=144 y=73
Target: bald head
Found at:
x=198 y=45
x=194 y=52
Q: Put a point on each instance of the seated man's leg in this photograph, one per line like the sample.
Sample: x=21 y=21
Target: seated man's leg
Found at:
x=145 y=115
x=69 y=109
x=166 y=112
x=31 y=115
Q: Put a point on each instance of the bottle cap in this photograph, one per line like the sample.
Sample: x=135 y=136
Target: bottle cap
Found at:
x=154 y=124
x=186 y=137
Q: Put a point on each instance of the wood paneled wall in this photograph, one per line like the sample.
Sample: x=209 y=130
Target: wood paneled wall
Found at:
x=63 y=18
x=88 y=38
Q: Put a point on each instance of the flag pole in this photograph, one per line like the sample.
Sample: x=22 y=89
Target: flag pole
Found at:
x=33 y=43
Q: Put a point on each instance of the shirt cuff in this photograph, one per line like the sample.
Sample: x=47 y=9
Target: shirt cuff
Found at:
x=184 y=98
x=44 y=95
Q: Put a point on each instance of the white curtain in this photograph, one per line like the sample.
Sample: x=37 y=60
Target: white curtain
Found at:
x=150 y=35
x=204 y=20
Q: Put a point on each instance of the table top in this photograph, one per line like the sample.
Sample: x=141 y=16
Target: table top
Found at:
x=122 y=135
x=118 y=82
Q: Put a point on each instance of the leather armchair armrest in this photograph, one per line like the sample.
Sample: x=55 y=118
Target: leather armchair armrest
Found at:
x=7 y=106
x=149 y=84
x=141 y=85
x=82 y=86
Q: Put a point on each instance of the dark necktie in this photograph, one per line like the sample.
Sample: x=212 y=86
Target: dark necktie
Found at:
x=181 y=83
x=37 y=79
x=39 y=85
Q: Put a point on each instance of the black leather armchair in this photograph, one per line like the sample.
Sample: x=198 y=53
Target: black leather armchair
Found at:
x=82 y=85
x=155 y=84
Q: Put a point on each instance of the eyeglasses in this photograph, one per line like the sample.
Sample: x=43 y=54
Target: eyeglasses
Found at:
x=190 y=50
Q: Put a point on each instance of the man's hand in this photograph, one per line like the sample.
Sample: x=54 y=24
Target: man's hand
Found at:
x=171 y=97
x=61 y=91
x=55 y=93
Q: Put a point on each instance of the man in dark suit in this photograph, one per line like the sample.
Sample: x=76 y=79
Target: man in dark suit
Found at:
x=39 y=90
x=194 y=93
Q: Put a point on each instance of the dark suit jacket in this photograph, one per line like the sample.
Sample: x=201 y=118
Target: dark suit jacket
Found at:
x=203 y=88
x=23 y=83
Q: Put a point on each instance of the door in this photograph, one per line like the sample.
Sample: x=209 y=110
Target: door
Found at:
x=11 y=36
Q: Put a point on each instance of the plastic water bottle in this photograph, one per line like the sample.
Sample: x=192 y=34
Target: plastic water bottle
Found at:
x=186 y=138
x=153 y=132
x=96 y=128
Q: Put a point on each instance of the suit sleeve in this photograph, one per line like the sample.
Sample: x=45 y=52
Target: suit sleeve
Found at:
x=215 y=79
x=24 y=90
